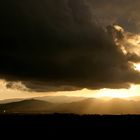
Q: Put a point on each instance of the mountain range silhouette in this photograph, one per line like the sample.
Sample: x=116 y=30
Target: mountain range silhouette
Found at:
x=114 y=106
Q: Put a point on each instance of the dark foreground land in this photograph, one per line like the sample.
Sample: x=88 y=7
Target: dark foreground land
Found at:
x=66 y=122
x=69 y=126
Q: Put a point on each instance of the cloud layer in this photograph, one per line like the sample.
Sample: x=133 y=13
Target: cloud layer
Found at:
x=60 y=42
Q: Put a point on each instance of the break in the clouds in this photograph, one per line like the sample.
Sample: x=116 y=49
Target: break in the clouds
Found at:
x=65 y=43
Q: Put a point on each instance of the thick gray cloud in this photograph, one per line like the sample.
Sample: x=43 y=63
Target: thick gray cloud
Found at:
x=123 y=12
x=60 y=42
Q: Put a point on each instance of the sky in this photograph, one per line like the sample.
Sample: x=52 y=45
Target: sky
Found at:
x=84 y=48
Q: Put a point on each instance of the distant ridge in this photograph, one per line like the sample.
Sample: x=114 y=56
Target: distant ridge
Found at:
x=87 y=106
x=25 y=106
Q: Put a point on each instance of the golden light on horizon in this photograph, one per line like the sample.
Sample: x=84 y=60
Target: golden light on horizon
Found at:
x=133 y=91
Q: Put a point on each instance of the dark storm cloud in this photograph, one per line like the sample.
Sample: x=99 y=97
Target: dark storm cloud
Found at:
x=60 y=42
x=123 y=12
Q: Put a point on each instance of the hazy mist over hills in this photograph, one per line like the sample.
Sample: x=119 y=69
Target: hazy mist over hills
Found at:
x=77 y=106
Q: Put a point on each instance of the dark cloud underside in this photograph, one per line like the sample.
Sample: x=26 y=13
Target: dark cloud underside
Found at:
x=60 y=42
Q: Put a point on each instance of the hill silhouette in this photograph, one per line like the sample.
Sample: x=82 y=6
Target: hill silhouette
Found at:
x=26 y=106
x=6 y=101
x=60 y=99
x=87 y=106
